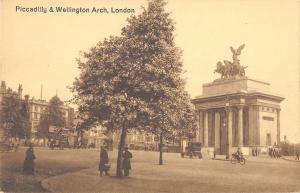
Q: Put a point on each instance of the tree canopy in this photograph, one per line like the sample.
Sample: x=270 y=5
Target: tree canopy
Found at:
x=134 y=81
x=14 y=115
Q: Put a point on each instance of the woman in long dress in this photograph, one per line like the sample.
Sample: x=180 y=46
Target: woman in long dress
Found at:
x=28 y=167
x=103 y=165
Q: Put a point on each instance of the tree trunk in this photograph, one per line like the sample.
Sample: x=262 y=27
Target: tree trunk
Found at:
x=160 y=149
x=119 y=172
x=81 y=138
x=181 y=144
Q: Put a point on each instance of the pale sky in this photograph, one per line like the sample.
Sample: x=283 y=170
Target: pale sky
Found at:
x=40 y=48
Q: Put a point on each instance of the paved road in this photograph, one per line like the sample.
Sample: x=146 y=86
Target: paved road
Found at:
x=176 y=175
x=187 y=175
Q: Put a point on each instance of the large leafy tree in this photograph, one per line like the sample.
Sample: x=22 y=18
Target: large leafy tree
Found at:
x=133 y=81
x=106 y=90
x=150 y=43
x=52 y=116
x=14 y=116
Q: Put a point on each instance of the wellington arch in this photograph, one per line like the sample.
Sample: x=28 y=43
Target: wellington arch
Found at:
x=237 y=111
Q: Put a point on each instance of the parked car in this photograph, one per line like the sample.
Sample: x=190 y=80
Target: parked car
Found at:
x=131 y=146
x=193 y=149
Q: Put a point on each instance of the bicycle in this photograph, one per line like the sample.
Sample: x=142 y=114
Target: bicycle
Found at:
x=240 y=159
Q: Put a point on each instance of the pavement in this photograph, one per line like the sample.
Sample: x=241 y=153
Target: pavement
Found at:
x=290 y=158
x=287 y=158
x=183 y=175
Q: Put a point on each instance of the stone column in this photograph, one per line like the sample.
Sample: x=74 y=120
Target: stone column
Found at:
x=229 y=130
x=217 y=132
x=201 y=127
x=278 y=126
x=251 y=125
x=205 y=138
x=240 y=126
x=198 y=125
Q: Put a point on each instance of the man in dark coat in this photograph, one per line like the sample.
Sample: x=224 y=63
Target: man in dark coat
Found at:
x=28 y=167
x=103 y=165
x=126 y=161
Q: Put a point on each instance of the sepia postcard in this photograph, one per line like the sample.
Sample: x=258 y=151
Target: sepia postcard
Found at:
x=149 y=96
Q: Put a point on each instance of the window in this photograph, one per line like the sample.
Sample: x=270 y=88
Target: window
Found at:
x=268 y=140
x=36 y=108
x=268 y=118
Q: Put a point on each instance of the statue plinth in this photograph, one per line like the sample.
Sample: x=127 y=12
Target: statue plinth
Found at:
x=234 y=85
x=230 y=78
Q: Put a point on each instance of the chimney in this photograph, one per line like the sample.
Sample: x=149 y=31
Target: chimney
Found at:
x=27 y=98
x=3 y=85
x=41 y=92
x=20 y=91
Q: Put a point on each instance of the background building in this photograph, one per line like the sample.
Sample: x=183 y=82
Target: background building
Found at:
x=36 y=108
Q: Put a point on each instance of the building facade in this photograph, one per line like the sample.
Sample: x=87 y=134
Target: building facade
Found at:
x=237 y=112
x=36 y=109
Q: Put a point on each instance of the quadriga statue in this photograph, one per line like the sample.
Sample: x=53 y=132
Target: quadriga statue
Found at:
x=231 y=69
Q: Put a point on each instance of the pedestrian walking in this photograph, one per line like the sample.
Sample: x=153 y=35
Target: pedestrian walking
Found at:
x=274 y=152
x=297 y=155
x=28 y=166
x=16 y=147
x=126 y=161
x=103 y=165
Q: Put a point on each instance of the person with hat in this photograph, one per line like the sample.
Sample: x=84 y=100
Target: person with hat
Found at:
x=127 y=155
x=28 y=166
x=103 y=165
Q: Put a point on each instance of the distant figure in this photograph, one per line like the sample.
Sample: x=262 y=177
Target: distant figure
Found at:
x=238 y=153
x=126 y=161
x=103 y=165
x=270 y=152
x=28 y=167
x=297 y=155
x=17 y=147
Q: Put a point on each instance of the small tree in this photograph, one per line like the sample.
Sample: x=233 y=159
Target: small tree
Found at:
x=14 y=116
x=53 y=115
